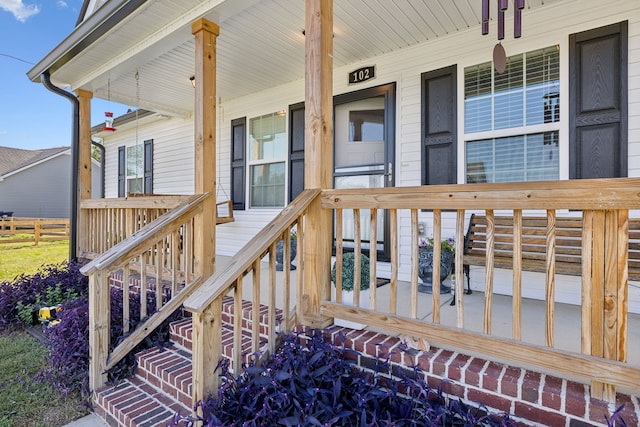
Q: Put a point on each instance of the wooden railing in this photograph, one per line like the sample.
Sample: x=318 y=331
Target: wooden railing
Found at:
x=604 y=206
x=108 y=222
x=163 y=252
x=206 y=303
x=36 y=230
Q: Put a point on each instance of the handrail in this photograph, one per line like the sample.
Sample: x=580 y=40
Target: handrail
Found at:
x=206 y=302
x=214 y=287
x=163 y=246
x=144 y=236
x=613 y=193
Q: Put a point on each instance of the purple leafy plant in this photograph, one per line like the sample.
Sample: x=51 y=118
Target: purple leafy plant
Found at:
x=27 y=291
x=311 y=382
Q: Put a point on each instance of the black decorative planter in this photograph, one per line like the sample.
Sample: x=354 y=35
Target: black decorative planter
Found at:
x=425 y=270
x=280 y=254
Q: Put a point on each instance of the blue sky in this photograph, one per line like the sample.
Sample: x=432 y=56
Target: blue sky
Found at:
x=31 y=117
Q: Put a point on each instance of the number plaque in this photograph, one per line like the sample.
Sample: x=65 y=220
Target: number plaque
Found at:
x=362 y=74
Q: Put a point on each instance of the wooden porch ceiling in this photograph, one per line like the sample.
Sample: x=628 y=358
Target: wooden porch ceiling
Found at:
x=261 y=44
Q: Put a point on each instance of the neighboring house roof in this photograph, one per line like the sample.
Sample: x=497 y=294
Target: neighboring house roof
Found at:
x=14 y=159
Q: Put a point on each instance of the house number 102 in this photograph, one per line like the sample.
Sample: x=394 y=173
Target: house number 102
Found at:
x=362 y=75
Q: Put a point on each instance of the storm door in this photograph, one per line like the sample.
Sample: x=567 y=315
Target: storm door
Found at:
x=364 y=148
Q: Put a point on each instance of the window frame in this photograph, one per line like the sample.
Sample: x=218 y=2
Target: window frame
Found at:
x=524 y=130
x=283 y=159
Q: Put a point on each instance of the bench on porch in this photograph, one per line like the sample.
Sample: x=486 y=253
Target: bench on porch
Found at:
x=534 y=245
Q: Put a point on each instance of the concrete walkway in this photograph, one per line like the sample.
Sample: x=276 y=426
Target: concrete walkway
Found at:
x=91 y=420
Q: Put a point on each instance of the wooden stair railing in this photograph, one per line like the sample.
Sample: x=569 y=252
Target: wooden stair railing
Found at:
x=163 y=251
x=205 y=303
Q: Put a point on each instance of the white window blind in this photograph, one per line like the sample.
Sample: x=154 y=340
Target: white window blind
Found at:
x=500 y=111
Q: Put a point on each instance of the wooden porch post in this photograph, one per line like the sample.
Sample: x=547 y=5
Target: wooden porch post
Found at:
x=84 y=169
x=605 y=282
x=318 y=156
x=206 y=334
x=205 y=33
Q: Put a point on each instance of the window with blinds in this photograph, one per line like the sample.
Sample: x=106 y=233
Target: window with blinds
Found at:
x=267 y=156
x=511 y=120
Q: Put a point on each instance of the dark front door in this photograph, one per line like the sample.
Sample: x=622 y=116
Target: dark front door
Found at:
x=598 y=103
x=364 y=150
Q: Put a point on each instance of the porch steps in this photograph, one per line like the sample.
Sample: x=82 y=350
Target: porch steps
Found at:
x=162 y=384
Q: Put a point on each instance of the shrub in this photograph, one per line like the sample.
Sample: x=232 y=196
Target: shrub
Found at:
x=68 y=366
x=52 y=285
x=311 y=382
x=348 y=264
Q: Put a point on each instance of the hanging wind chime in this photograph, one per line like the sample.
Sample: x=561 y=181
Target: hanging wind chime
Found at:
x=499 y=55
x=108 y=115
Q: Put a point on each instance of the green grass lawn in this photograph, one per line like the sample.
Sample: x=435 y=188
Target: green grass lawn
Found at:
x=24 y=401
x=27 y=258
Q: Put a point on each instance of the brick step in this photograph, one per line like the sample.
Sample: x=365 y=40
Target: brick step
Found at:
x=181 y=331
x=162 y=384
x=135 y=403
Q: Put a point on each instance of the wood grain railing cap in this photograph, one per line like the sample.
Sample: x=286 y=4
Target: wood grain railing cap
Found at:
x=219 y=283
x=145 y=236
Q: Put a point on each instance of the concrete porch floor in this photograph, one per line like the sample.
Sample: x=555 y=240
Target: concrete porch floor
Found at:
x=567 y=329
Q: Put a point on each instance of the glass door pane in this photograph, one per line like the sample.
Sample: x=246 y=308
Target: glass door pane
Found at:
x=360 y=160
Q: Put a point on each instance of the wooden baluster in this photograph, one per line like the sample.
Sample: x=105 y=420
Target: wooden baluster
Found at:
x=587 y=281
x=159 y=252
x=126 y=309
x=414 y=264
x=271 y=321
x=373 y=256
x=517 y=274
x=143 y=284
x=488 y=296
x=393 y=285
x=286 y=291
x=174 y=261
x=237 y=326
x=339 y=252
x=357 y=257
x=255 y=308
x=301 y=267
x=459 y=293
x=437 y=254
x=551 y=276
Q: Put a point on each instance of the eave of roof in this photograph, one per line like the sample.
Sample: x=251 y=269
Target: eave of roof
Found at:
x=84 y=35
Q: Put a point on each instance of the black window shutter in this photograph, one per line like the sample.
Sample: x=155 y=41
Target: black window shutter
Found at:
x=148 y=166
x=238 y=161
x=598 y=107
x=296 y=150
x=122 y=171
x=439 y=126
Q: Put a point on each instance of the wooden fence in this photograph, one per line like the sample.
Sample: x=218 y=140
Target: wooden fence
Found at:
x=36 y=230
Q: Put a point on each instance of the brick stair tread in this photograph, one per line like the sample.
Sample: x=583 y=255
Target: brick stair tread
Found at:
x=134 y=403
x=169 y=368
x=162 y=384
x=181 y=330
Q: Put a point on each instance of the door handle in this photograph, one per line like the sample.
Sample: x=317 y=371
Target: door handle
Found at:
x=389 y=173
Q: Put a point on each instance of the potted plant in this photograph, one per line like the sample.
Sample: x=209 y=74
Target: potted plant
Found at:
x=280 y=251
x=348 y=264
x=425 y=263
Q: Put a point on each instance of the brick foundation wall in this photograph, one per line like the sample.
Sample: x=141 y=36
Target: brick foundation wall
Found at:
x=532 y=398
